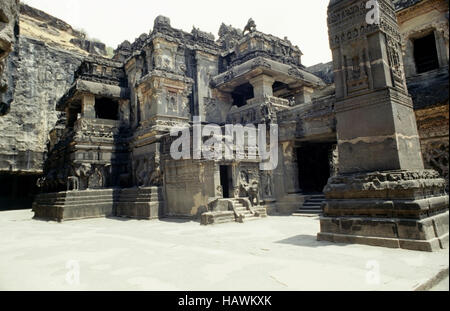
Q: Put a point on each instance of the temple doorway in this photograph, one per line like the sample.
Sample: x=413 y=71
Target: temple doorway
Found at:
x=225 y=180
x=314 y=166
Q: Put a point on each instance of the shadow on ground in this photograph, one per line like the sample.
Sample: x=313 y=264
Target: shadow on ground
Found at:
x=308 y=241
x=179 y=220
x=169 y=220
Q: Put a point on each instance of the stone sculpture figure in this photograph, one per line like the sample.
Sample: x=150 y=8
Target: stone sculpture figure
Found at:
x=250 y=27
x=96 y=180
x=156 y=178
x=253 y=193
x=219 y=191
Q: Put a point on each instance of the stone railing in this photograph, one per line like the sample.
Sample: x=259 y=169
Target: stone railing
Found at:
x=96 y=128
x=279 y=103
x=258 y=110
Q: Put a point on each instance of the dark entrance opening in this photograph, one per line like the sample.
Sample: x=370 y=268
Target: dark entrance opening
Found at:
x=17 y=191
x=425 y=54
x=241 y=94
x=314 y=166
x=106 y=108
x=280 y=89
x=72 y=117
x=225 y=181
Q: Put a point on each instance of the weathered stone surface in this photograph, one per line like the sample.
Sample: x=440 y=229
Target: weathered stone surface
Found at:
x=381 y=196
x=324 y=71
x=392 y=233
x=112 y=127
x=140 y=203
x=433 y=126
x=54 y=26
x=428 y=85
x=41 y=76
x=71 y=205
x=9 y=21
x=39 y=71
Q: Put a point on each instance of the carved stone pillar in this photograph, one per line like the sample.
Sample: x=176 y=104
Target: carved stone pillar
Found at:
x=382 y=195
x=124 y=111
x=334 y=161
x=262 y=86
x=88 y=106
x=304 y=96
x=441 y=48
x=290 y=168
x=410 y=65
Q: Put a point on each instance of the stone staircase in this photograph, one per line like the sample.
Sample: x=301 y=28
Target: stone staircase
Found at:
x=232 y=210
x=245 y=213
x=312 y=206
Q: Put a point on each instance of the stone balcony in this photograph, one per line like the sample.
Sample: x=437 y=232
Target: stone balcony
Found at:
x=98 y=130
x=258 y=110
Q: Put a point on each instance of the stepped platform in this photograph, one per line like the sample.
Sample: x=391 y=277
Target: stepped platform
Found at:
x=138 y=203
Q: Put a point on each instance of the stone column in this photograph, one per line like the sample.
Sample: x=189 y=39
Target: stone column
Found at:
x=262 y=86
x=410 y=65
x=304 y=96
x=441 y=48
x=88 y=106
x=290 y=167
x=382 y=195
x=124 y=111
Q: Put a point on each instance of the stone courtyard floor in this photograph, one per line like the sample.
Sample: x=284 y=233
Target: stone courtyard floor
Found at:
x=277 y=253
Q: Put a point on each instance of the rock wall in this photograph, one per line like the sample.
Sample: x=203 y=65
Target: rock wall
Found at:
x=40 y=76
x=9 y=20
x=39 y=70
x=433 y=126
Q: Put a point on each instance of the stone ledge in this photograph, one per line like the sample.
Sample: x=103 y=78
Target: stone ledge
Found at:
x=386 y=185
x=415 y=209
x=429 y=234
x=427 y=246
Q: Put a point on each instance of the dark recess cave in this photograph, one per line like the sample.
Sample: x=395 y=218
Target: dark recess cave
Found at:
x=17 y=191
x=279 y=87
x=314 y=166
x=225 y=181
x=106 y=108
x=241 y=94
x=425 y=54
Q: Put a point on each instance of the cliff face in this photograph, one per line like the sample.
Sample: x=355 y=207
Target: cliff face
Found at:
x=38 y=72
x=41 y=76
x=9 y=25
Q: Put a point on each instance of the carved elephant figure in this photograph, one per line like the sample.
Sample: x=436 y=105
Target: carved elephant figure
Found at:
x=83 y=171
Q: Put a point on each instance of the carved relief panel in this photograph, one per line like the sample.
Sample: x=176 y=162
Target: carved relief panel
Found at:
x=352 y=38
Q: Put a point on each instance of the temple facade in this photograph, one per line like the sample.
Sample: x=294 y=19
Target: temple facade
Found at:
x=361 y=141
x=113 y=150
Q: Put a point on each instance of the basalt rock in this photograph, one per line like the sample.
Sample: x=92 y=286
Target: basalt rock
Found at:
x=9 y=31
